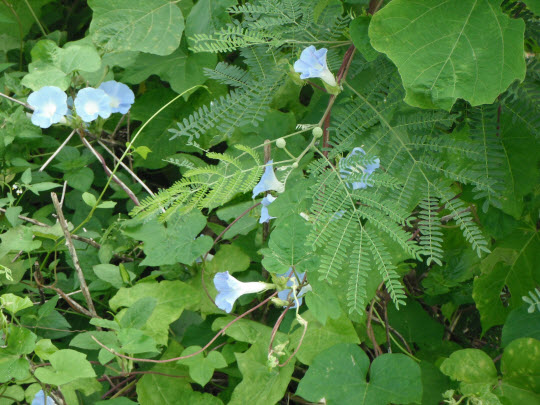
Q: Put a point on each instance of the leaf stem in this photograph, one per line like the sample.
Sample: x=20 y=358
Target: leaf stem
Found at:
x=41 y=27
x=221 y=332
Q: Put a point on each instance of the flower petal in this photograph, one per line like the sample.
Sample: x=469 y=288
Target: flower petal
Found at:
x=229 y=289
x=39 y=399
x=90 y=103
x=50 y=106
x=268 y=181
x=121 y=95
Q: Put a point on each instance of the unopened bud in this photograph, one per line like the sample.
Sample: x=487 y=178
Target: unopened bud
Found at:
x=317 y=132
x=280 y=143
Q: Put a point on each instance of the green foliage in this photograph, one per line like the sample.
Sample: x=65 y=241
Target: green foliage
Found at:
x=404 y=203
x=153 y=26
x=449 y=61
x=339 y=375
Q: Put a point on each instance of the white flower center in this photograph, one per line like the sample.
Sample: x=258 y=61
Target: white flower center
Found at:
x=49 y=109
x=91 y=108
x=115 y=102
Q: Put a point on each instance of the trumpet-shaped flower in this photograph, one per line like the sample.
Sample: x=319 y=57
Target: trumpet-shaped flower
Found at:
x=346 y=170
x=229 y=289
x=50 y=106
x=286 y=295
x=312 y=63
x=265 y=216
x=268 y=181
x=121 y=96
x=90 y=103
x=41 y=399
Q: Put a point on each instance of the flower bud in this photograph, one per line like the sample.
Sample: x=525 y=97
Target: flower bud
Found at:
x=317 y=132
x=280 y=143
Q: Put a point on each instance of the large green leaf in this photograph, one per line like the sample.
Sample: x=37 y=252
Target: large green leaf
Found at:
x=178 y=242
x=339 y=373
x=445 y=51
x=520 y=364
x=471 y=366
x=52 y=65
x=153 y=26
x=319 y=337
x=519 y=324
x=156 y=389
x=260 y=384
x=17 y=239
x=208 y=16
x=520 y=165
x=512 y=265
x=66 y=366
x=20 y=341
x=171 y=296
x=201 y=367
x=182 y=69
x=287 y=247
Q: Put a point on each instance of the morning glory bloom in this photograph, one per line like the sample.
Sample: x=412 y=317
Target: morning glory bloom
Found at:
x=268 y=181
x=50 y=106
x=286 y=295
x=229 y=289
x=40 y=399
x=346 y=170
x=121 y=96
x=90 y=103
x=265 y=216
x=312 y=63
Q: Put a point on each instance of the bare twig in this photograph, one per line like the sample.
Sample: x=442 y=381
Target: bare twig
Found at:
x=88 y=241
x=74 y=257
x=137 y=179
x=109 y=171
x=369 y=330
x=17 y=101
x=57 y=151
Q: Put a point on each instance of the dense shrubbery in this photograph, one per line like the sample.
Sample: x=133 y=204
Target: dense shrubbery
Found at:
x=280 y=201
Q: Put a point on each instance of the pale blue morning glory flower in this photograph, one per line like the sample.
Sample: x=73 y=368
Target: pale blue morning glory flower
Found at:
x=266 y=201
x=50 y=105
x=312 y=64
x=286 y=295
x=268 y=181
x=346 y=170
x=90 y=103
x=229 y=289
x=40 y=399
x=121 y=96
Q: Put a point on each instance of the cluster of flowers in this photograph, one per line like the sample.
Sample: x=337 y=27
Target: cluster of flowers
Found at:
x=312 y=64
x=229 y=288
x=50 y=103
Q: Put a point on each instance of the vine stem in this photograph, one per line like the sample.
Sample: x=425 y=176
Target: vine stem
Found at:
x=17 y=101
x=74 y=257
x=57 y=151
x=325 y=120
x=41 y=27
x=221 y=332
x=109 y=172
